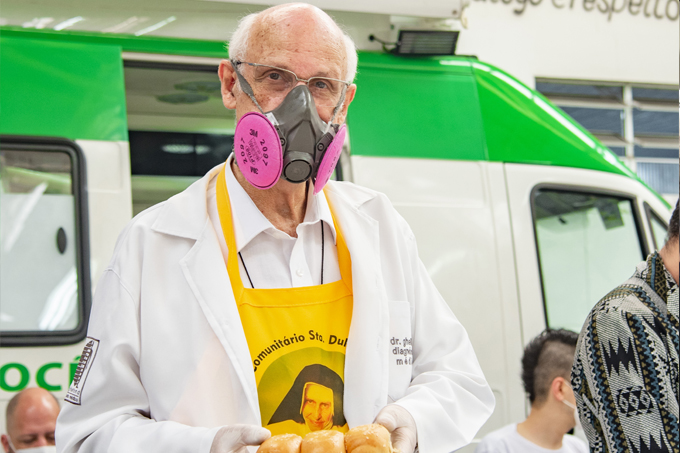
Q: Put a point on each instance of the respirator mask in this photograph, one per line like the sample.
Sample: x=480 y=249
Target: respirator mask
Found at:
x=290 y=141
x=578 y=428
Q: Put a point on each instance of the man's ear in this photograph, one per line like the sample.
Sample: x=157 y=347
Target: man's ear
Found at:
x=557 y=388
x=349 y=97
x=227 y=83
x=5 y=443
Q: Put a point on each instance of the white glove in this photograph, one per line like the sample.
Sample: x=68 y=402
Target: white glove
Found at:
x=400 y=423
x=235 y=438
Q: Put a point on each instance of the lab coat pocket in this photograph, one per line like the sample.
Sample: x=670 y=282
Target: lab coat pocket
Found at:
x=400 y=349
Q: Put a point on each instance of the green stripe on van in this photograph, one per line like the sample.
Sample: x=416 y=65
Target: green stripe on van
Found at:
x=522 y=126
x=61 y=89
x=459 y=108
x=415 y=108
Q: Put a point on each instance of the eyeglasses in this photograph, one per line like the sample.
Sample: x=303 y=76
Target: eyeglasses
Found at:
x=273 y=81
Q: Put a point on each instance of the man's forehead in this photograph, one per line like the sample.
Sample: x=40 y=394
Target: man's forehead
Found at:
x=297 y=36
x=297 y=15
x=34 y=426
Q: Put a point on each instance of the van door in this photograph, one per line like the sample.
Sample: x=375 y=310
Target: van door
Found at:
x=458 y=213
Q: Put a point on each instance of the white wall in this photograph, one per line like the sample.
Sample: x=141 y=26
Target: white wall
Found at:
x=572 y=43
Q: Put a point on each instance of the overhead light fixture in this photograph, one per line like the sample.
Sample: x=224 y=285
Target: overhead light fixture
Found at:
x=134 y=20
x=210 y=87
x=183 y=98
x=175 y=148
x=68 y=23
x=154 y=27
x=37 y=22
x=426 y=42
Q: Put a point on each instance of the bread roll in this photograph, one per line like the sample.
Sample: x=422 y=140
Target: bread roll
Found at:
x=326 y=441
x=282 y=443
x=368 y=439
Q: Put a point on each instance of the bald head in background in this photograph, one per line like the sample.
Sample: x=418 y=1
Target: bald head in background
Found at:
x=31 y=420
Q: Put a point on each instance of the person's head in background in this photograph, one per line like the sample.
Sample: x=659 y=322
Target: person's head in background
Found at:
x=31 y=418
x=670 y=253
x=546 y=370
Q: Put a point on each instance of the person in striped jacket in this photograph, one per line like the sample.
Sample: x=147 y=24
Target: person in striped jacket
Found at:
x=625 y=373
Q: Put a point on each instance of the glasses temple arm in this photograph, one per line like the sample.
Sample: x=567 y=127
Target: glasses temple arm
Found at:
x=245 y=86
x=337 y=108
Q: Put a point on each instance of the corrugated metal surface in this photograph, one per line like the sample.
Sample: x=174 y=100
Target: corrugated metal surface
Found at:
x=661 y=177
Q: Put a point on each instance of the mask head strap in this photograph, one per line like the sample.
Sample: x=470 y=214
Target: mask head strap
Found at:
x=245 y=86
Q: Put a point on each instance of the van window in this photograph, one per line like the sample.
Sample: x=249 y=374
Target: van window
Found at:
x=659 y=227
x=587 y=244
x=41 y=253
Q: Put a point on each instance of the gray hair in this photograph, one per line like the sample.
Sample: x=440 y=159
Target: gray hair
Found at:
x=238 y=45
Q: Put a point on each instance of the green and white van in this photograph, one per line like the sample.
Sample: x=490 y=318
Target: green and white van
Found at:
x=524 y=220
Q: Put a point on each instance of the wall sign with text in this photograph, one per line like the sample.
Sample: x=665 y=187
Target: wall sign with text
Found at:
x=647 y=9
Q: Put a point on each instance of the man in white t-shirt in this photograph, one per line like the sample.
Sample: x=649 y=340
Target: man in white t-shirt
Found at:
x=546 y=368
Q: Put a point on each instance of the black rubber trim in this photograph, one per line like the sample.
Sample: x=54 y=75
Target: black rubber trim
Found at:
x=79 y=184
x=652 y=213
x=592 y=191
x=212 y=69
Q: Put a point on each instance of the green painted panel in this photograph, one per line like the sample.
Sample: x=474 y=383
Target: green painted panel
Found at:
x=128 y=43
x=522 y=126
x=415 y=108
x=71 y=90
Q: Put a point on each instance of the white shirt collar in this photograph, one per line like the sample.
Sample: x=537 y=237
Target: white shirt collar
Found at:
x=250 y=222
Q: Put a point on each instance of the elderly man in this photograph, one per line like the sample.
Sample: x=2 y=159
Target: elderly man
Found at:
x=31 y=419
x=625 y=373
x=217 y=300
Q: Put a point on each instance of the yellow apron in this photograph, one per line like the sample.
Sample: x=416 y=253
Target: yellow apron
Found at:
x=297 y=339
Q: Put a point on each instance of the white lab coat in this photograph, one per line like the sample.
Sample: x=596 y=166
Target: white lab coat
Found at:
x=173 y=365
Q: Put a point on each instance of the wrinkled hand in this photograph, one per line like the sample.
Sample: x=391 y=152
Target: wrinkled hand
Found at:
x=401 y=425
x=235 y=438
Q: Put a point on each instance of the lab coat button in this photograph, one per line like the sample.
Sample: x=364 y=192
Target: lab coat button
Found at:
x=299 y=273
